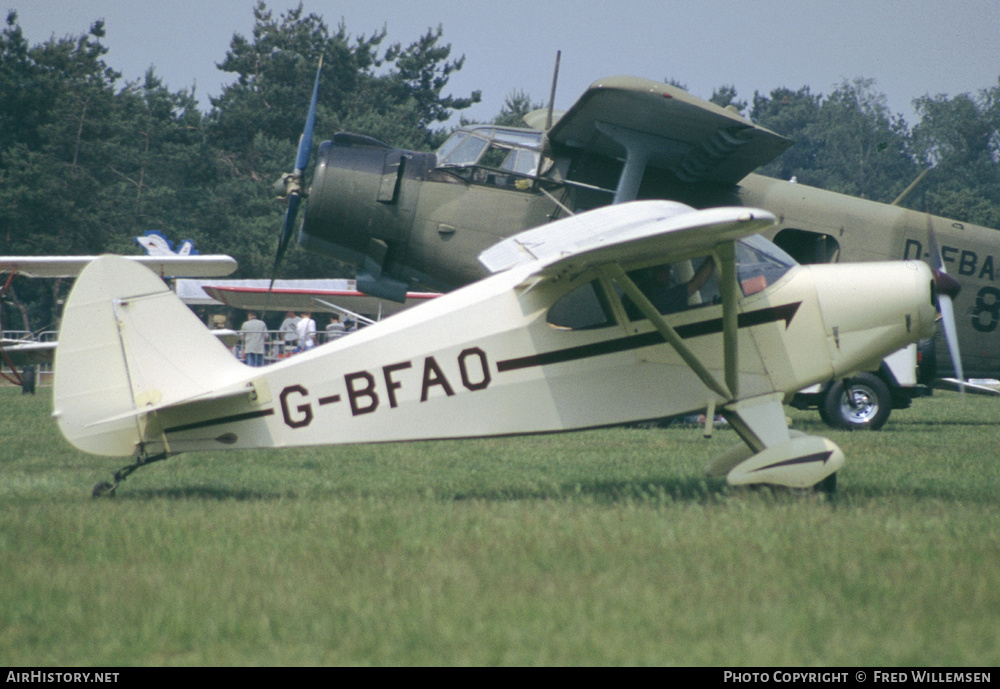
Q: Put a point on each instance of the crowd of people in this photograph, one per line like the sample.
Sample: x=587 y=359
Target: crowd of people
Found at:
x=297 y=333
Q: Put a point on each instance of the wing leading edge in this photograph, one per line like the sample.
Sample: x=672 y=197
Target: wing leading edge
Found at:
x=623 y=233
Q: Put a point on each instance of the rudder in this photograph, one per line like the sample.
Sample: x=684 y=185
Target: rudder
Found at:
x=128 y=342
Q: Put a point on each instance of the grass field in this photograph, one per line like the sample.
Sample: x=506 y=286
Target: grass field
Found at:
x=604 y=547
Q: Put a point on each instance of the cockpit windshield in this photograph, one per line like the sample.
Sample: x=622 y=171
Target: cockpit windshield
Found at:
x=760 y=263
x=497 y=148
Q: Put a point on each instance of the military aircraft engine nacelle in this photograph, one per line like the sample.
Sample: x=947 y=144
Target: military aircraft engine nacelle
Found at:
x=361 y=206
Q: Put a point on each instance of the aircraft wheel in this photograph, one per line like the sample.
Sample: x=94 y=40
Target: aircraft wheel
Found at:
x=103 y=489
x=864 y=403
x=827 y=486
x=824 y=416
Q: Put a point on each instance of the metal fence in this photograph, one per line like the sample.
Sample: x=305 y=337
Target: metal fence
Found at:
x=275 y=347
x=42 y=372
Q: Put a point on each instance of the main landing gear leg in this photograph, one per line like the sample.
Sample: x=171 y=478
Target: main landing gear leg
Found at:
x=773 y=454
x=104 y=488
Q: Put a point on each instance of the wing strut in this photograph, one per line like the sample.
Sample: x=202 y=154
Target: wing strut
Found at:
x=730 y=297
x=638 y=149
x=615 y=272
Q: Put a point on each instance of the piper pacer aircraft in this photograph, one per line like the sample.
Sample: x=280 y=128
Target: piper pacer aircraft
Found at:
x=626 y=313
x=405 y=219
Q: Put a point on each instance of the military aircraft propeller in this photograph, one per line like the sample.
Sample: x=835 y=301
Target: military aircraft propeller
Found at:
x=290 y=183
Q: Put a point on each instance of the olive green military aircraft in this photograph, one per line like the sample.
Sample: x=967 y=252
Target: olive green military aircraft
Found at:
x=405 y=219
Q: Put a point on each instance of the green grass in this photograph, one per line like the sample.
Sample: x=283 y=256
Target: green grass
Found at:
x=605 y=547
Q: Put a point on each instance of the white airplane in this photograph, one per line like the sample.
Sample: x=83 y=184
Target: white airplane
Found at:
x=156 y=244
x=566 y=334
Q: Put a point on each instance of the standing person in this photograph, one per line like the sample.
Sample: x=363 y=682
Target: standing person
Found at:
x=307 y=332
x=335 y=329
x=254 y=334
x=289 y=333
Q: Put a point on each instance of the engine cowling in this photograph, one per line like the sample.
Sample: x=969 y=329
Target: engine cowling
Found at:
x=361 y=207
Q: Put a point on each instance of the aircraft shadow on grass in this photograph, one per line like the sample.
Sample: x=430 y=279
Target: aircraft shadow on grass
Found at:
x=206 y=493
x=663 y=490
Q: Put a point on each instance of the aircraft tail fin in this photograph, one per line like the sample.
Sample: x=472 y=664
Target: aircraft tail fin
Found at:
x=126 y=343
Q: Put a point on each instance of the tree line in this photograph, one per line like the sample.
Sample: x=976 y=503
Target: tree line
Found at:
x=88 y=162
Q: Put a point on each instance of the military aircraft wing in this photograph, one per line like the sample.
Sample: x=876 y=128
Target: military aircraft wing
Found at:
x=691 y=138
x=164 y=266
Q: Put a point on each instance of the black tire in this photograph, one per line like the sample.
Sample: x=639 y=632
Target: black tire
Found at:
x=868 y=408
x=824 y=416
x=103 y=490
x=827 y=486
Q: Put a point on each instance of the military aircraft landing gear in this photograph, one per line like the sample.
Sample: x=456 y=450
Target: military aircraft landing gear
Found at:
x=861 y=402
x=105 y=489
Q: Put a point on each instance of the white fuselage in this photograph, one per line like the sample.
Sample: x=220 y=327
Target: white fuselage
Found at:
x=483 y=361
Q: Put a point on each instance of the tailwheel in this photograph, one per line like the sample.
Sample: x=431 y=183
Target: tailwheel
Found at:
x=105 y=489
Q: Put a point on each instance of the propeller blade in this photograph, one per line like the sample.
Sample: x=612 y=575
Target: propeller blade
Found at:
x=292 y=183
x=947 y=289
x=947 y=309
x=305 y=141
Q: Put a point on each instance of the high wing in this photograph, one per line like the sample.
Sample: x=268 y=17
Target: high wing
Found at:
x=691 y=138
x=165 y=266
x=624 y=232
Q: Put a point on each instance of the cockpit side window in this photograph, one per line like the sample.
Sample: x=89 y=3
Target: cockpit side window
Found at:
x=673 y=287
x=585 y=308
x=521 y=161
x=808 y=247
